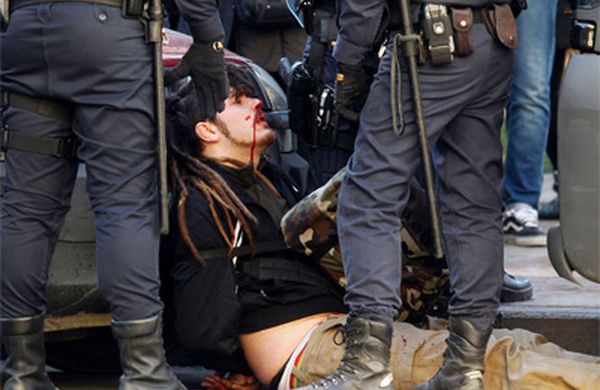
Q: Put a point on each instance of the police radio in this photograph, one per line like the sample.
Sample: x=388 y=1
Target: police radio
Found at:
x=584 y=33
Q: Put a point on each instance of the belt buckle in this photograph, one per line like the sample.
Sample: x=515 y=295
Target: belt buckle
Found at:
x=65 y=148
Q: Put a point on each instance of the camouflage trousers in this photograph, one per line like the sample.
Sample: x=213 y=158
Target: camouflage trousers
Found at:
x=310 y=228
x=515 y=359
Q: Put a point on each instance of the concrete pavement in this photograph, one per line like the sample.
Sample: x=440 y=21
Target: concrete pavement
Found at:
x=564 y=312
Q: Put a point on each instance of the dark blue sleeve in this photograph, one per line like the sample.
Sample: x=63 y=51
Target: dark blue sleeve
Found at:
x=203 y=18
x=361 y=23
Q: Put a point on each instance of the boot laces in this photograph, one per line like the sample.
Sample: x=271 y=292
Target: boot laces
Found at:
x=341 y=375
x=474 y=374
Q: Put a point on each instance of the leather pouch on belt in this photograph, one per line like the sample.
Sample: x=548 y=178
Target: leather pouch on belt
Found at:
x=462 y=21
x=506 y=25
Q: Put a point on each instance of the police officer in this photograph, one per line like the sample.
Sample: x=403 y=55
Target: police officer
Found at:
x=77 y=82
x=326 y=139
x=466 y=59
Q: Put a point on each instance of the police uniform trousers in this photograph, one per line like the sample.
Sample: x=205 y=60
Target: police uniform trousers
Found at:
x=463 y=105
x=97 y=62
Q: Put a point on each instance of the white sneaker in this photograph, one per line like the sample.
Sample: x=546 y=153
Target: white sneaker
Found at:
x=521 y=226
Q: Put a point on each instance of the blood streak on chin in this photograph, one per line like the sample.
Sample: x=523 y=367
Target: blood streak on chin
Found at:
x=253 y=143
x=248 y=118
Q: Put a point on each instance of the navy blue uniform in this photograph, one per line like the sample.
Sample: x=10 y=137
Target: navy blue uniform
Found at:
x=330 y=152
x=325 y=161
x=95 y=61
x=463 y=106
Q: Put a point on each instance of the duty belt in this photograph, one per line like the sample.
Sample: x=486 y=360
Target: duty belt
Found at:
x=15 y=4
x=445 y=31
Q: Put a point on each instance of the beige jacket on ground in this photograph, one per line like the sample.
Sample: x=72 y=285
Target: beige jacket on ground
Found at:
x=515 y=359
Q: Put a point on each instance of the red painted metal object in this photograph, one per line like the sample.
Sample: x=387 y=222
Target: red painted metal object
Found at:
x=176 y=44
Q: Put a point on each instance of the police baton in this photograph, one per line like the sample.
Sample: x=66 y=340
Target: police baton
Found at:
x=410 y=40
x=155 y=38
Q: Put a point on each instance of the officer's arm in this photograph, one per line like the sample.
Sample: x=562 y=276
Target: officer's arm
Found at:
x=203 y=19
x=360 y=27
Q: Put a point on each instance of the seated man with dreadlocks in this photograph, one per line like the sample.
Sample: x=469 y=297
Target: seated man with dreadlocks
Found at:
x=231 y=273
x=239 y=295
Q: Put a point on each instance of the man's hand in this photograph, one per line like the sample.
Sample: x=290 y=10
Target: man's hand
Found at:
x=230 y=382
x=205 y=63
x=351 y=89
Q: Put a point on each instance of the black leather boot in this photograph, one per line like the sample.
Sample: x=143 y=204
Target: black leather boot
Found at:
x=463 y=365
x=550 y=210
x=25 y=365
x=515 y=288
x=365 y=364
x=143 y=355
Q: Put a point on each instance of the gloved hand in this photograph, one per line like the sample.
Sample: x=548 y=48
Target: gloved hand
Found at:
x=205 y=63
x=351 y=90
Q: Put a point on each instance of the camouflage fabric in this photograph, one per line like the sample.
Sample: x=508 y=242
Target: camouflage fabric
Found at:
x=310 y=228
x=515 y=359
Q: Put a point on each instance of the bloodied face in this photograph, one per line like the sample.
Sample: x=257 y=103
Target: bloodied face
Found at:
x=243 y=123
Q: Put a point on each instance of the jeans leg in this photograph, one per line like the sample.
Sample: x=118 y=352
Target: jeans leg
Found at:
x=529 y=109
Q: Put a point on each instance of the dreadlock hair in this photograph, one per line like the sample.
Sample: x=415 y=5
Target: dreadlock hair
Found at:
x=188 y=169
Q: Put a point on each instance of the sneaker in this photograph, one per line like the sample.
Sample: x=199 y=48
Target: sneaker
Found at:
x=521 y=226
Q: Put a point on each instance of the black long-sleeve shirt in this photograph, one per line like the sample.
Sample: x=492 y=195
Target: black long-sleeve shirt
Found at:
x=216 y=302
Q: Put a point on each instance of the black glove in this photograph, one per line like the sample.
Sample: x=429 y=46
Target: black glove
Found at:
x=351 y=89
x=205 y=63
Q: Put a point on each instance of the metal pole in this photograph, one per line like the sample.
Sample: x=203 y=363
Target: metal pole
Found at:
x=410 y=48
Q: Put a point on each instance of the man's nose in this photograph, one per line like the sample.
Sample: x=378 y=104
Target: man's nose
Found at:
x=257 y=104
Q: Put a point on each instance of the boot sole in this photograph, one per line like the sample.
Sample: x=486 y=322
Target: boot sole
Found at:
x=510 y=295
x=531 y=241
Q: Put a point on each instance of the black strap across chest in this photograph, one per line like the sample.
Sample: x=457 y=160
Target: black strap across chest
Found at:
x=260 y=248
